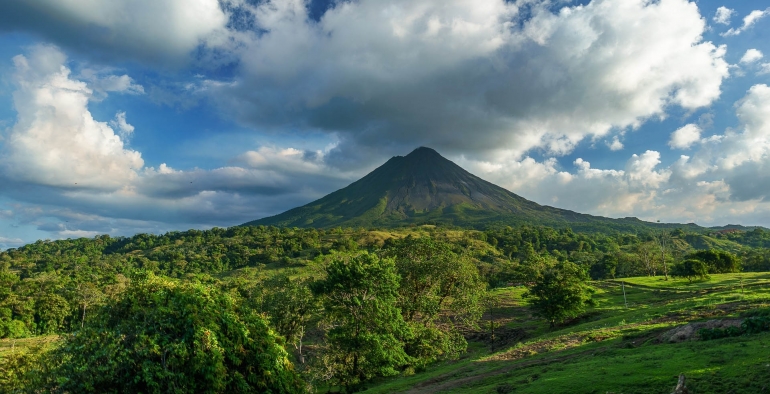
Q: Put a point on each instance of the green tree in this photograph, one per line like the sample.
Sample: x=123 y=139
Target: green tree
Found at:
x=438 y=291
x=691 y=269
x=290 y=305
x=605 y=268
x=718 y=262
x=359 y=297
x=559 y=291
x=165 y=336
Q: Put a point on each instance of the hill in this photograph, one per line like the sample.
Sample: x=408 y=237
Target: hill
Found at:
x=640 y=344
x=423 y=187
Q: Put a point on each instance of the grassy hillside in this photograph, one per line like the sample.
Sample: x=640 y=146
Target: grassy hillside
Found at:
x=614 y=348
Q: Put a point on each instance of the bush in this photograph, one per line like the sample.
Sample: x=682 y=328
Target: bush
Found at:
x=167 y=336
x=691 y=269
x=13 y=329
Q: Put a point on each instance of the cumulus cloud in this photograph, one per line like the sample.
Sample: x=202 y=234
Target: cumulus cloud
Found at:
x=72 y=175
x=685 y=136
x=748 y=21
x=723 y=15
x=725 y=180
x=55 y=140
x=751 y=56
x=150 y=30
x=472 y=76
x=615 y=145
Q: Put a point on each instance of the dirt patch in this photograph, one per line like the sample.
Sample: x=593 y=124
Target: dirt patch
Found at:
x=689 y=332
x=503 y=337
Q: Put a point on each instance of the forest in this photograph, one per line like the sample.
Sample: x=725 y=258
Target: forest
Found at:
x=268 y=309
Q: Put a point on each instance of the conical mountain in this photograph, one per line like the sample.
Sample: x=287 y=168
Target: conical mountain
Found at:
x=423 y=187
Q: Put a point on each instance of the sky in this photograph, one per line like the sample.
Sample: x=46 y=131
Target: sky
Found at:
x=127 y=116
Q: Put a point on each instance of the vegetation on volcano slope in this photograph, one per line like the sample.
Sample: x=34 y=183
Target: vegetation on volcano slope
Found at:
x=54 y=291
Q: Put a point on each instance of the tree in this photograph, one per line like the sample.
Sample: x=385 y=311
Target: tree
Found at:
x=691 y=269
x=290 y=305
x=88 y=295
x=359 y=297
x=438 y=290
x=718 y=262
x=605 y=268
x=165 y=336
x=646 y=254
x=663 y=239
x=559 y=292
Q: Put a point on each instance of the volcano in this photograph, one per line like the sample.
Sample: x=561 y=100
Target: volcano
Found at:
x=423 y=187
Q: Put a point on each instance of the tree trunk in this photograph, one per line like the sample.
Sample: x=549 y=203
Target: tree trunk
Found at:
x=680 y=386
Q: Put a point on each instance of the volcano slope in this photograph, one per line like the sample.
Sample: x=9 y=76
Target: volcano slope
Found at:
x=423 y=187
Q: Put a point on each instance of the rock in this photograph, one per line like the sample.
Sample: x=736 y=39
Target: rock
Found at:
x=689 y=331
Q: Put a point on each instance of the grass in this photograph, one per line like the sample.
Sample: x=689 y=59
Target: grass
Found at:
x=614 y=348
x=11 y=345
x=610 y=349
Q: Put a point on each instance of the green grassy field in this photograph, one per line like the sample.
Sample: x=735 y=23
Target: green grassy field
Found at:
x=614 y=348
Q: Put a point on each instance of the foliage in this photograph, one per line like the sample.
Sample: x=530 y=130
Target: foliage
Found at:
x=165 y=336
x=691 y=269
x=438 y=290
x=290 y=305
x=26 y=370
x=751 y=325
x=718 y=261
x=359 y=296
x=559 y=292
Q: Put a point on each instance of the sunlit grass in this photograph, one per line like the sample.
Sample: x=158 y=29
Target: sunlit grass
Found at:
x=616 y=348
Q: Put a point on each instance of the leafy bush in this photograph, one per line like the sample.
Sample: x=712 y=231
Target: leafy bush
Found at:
x=165 y=336
x=691 y=269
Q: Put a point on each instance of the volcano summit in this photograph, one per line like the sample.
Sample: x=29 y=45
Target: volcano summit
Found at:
x=423 y=187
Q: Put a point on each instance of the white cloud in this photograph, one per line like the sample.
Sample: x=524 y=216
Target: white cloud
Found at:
x=6 y=242
x=73 y=176
x=723 y=15
x=615 y=145
x=685 y=136
x=764 y=68
x=725 y=180
x=104 y=82
x=437 y=71
x=121 y=125
x=748 y=21
x=150 y=30
x=751 y=56
x=55 y=140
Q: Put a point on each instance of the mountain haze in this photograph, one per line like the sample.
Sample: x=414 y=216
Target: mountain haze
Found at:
x=423 y=187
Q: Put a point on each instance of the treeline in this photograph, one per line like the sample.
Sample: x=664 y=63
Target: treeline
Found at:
x=191 y=311
x=367 y=314
x=51 y=286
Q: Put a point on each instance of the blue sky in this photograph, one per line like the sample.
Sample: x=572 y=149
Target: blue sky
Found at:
x=155 y=115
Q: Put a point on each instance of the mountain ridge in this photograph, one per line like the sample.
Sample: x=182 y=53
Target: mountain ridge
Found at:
x=423 y=187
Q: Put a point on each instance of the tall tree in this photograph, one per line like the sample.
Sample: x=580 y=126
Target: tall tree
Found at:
x=359 y=297
x=559 y=291
x=439 y=290
x=290 y=305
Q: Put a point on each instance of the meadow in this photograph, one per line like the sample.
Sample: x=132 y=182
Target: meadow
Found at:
x=614 y=348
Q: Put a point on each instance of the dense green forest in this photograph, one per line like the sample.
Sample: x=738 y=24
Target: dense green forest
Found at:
x=323 y=308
